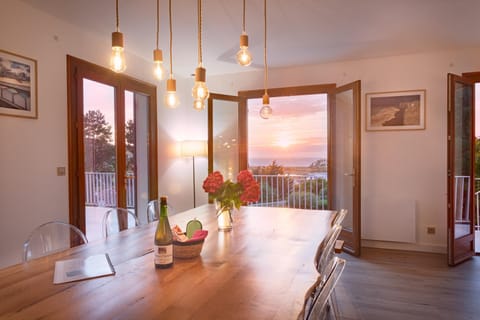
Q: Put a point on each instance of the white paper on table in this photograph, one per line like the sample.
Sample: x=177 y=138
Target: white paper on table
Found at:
x=83 y=268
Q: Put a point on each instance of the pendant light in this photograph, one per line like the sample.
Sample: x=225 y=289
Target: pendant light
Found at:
x=158 y=68
x=244 y=57
x=200 y=91
x=117 y=59
x=266 y=110
x=171 y=99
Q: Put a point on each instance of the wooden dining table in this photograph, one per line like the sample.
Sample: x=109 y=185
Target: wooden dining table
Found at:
x=259 y=270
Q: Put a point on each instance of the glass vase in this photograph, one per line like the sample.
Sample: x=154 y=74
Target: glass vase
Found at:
x=224 y=217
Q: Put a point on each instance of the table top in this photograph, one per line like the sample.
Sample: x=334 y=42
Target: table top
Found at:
x=259 y=270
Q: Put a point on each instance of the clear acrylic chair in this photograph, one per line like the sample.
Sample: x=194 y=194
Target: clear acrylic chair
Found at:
x=52 y=237
x=118 y=219
x=318 y=304
x=339 y=217
x=153 y=210
x=326 y=250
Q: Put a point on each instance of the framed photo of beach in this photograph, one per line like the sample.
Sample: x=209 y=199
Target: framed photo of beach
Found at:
x=18 y=85
x=396 y=110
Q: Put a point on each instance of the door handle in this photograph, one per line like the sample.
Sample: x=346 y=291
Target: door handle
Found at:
x=349 y=174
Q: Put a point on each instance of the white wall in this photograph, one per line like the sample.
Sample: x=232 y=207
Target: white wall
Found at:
x=398 y=167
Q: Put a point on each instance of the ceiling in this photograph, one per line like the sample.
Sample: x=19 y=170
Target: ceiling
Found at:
x=300 y=32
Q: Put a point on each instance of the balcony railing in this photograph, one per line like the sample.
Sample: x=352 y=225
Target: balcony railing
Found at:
x=101 y=189
x=292 y=191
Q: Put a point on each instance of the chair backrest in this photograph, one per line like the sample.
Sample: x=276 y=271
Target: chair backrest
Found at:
x=325 y=250
x=316 y=308
x=339 y=217
x=51 y=237
x=118 y=219
x=153 y=210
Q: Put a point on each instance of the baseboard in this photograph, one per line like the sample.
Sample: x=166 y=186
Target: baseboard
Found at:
x=404 y=246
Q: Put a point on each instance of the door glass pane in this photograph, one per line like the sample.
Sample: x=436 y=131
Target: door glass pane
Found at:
x=225 y=138
x=136 y=134
x=99 y=153
x=343 y=157
x=463 y=153
x=288 y=152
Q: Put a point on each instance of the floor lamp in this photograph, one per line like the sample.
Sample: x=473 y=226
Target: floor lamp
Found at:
x=194 y=148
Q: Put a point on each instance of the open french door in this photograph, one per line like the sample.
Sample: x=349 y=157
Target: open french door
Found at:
x=460 y=174
x=344 y=161
x=112 y=132
x=226 y=132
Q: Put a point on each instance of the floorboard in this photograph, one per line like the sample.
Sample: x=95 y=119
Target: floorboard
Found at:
x=391 y=284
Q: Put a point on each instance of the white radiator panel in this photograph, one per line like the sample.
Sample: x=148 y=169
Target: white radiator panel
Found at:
x=389 y=220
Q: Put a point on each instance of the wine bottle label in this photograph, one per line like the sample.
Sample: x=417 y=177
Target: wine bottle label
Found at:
x=163 y=254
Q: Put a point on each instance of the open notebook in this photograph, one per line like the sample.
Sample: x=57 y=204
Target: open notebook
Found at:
x=84 y=268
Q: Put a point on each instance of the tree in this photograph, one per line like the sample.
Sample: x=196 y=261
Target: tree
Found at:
x=130 y=145
x=99 y=150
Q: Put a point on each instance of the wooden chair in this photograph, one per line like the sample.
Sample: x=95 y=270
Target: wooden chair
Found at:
x=52 y=237
x=118 y=219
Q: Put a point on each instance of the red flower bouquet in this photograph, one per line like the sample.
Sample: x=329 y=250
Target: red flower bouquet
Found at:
x=232 y=194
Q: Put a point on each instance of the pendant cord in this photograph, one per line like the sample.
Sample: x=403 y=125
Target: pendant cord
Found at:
x=243 y=23
x=170 y=21
x=158 y=21
x=265 y=45
x=199 y=11
x=116 y=13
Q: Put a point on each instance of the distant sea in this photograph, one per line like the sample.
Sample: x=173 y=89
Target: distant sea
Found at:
x=289 y=162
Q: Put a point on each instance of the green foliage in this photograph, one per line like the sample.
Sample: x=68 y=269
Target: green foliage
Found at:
x=314 y=186
x=271 y=169
x=130 y=145
x=306 y=200
x=99 y=150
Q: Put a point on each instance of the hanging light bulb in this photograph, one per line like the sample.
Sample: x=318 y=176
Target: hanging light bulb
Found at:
x=198 y=104
x=171 y=99
x=117 y=58
x=158 y=68
x=266 y=111
x=200 y=91
x=244 y=57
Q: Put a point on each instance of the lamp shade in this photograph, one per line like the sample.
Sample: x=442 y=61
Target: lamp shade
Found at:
x=197 y=148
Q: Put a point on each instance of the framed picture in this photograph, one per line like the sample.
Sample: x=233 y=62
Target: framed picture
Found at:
x=398 y=110
x=18 y=85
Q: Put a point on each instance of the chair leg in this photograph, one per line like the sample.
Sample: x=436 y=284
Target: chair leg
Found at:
x=333 y=307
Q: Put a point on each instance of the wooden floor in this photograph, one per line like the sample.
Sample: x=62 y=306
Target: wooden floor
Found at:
x=387 y=284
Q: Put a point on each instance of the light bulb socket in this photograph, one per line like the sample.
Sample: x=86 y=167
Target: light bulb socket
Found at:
x=171 y=84
x=266 y=99
x=158 y=55
x=243 y=40
x=200 y=74
x=117 y=39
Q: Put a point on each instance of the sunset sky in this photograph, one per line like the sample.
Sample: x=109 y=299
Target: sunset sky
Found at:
x=296 y=134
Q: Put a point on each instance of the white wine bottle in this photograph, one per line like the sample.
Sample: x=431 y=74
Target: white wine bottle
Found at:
x=163 y=238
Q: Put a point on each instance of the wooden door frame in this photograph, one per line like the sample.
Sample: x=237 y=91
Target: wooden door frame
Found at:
x=242 y=144
x=463 y=248
x=328 y=89
x=352 y=243
x=77 y=69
